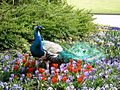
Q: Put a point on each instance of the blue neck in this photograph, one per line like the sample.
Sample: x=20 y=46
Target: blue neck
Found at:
x=38 y=39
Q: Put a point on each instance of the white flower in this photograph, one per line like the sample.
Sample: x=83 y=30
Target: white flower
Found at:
x=98 y=88
x=50 y=88
x=106 y=86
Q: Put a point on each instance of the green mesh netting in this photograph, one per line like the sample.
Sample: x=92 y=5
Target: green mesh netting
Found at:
x=83 y=51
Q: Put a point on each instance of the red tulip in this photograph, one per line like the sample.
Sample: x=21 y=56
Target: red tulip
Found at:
x=24 y=60
x=71 y=60
x=75 y=70
x=41 y=70
x=15 y=67
x=89 y=67
x=79 y=61
x=43 y=78
x=55 y=65
x=17 y=62
x=30 y=70
x=26 y=55
x=64 y=78
x=80 y=79
x=54 y=80
x=28 y=75
x=33 y=62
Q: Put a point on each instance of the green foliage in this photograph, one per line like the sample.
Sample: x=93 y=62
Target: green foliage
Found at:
x=60 y=22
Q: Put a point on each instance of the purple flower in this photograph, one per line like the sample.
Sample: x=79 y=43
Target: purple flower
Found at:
x=62 y=69
x=47 y=71
x=101 y=67
x=106 y=72
x=13 y=61
x=2 y=61
x=100 y=74
x=58 y=70
x=93 y=70
x=6 y=88
x=15 y=86
x=67 y=81
x=5 y=69
x=115 y=76
x=10 y=79
x=22 y=69
x=23 y=75
x=86 y=74
x=36 y=72
x=59 y=78
x=103 y=88
x=97 y=62
x=49 y=79
x=8 y=62
x=118 y=44
x=12 y=75
x=106 y=76
x=95 y=76
x=115 y=63
x=21 y=79
x=62 y=65
x=53 y=68
x=91 y=78
x=19 y=55
x=65 y=71
x=39 y=77
x=118 y=68
x=70 y=77
x=110 y=70
x=6 y=57
x=68 y=88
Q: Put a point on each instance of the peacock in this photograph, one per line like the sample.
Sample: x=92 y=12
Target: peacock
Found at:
x=53 y=52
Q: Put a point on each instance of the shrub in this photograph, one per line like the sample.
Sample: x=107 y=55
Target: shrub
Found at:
x=60 y=22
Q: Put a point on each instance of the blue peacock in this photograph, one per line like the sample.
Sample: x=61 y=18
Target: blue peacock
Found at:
x=54 y=52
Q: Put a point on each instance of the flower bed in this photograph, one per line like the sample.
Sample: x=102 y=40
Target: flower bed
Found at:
x=25 y=72
x=22 y=71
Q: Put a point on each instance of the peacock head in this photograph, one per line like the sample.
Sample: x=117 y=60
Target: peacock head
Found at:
x=37 y=28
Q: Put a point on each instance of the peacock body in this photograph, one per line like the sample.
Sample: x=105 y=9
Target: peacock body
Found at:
x=79 y=50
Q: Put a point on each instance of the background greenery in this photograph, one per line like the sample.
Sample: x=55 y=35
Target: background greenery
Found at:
x=97 y=6
x=61 y=22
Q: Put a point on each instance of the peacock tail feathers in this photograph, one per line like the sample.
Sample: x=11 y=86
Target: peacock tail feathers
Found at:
x=83 y=51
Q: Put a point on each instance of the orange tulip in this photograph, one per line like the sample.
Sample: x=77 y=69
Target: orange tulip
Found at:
x=55 y=65
x=71 y=69
x=64 y=78
x=75 y=70
x=79 y=68
x=80 y=79
x=85 y=70
x=79 y=61
x=70 y=60
x=89 y=67
x=54 y=80
x=28 y=75
x=41 y=70
x=78 y=64
x=43 y=78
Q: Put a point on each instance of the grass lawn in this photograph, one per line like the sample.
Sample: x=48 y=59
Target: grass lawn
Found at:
x=97 y=6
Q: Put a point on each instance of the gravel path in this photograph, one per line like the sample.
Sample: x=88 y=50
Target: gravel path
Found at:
x=112 y=20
